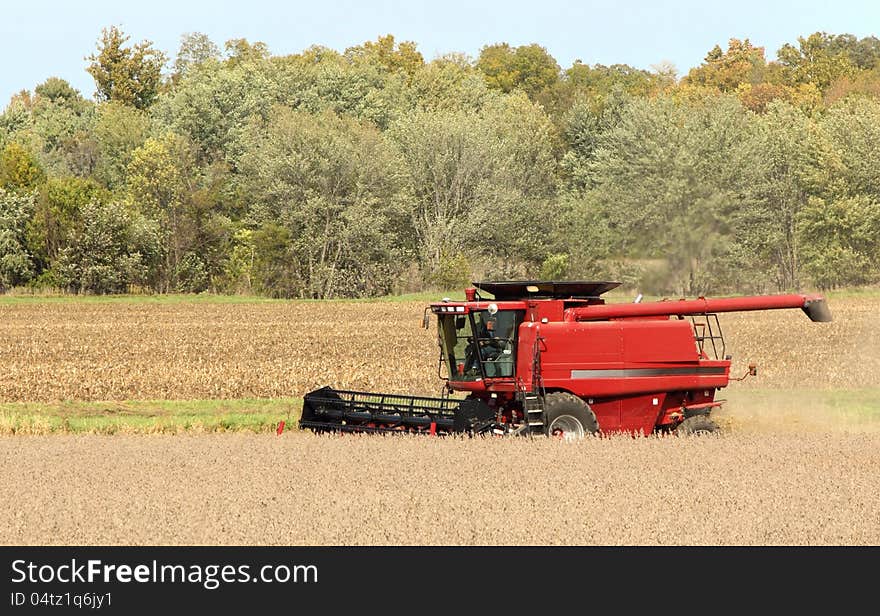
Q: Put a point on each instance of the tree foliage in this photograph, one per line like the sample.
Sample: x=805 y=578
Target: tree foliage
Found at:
x=16 y=262
x=329 y=206
x=527 y=67
x=816 y=59
x=110 y=253
x=130 y=75
x=742 y=63
x=19 y=168
x=196 y=49
x=386 y=53
x=370 y=170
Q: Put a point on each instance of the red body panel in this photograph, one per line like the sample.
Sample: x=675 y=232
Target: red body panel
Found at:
x=625 y=367
x=637 y=365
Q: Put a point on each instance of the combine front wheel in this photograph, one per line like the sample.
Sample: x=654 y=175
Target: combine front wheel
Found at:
x=567 y=416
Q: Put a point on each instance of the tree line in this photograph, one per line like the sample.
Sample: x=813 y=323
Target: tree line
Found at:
x=373 y=171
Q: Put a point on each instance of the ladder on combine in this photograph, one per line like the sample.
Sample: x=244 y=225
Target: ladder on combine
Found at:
x=533 y=409
x=533 y=401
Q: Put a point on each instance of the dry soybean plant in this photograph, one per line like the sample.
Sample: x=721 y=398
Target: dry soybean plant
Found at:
x=301 y=489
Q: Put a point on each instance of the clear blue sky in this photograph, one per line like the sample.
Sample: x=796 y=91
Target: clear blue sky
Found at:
x=44 y=38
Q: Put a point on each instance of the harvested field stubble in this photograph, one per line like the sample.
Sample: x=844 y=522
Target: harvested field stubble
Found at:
x=145 y=351
x=792 y=352
x=794 y=467
x=300 y=489
x=116 y=351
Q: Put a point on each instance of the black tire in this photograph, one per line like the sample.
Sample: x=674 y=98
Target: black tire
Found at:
x=698 y=424
x=562 y=410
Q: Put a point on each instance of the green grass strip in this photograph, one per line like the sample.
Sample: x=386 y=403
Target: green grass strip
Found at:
x=149 y=416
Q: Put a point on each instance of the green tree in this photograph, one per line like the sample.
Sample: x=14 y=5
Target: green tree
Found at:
x=585 y=240
x=555 y=267
x=601 y=80
x=19 y=169
x=450 y=159
x=449 y=82
x=841 y=241
x=327 y=196
x=191 y=206
x=57 y=90
x=16 y=117
x=16 y=262
x=112 y=250
x=130 y=75
x=241 y=51
x=515 y=224
x=863 y=53
x=840 y=227
x=815 y=60
x=478 y=182
x=160 y=184
x=213 y=225
x=767 y=227
x=118 y=131
x=584 y=125
x=239 y=265
x=362 y=89
x=741 y=63
x=594 y=85
x=195 y=49
x=58 y=214
x=853 y=130
x=392 y=56
x=275 y=267
x=528 y=67
x=63 y=127
x=667 y=177
x=213 y=104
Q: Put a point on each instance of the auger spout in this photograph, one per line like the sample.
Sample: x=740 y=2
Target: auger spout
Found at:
x=814 y=306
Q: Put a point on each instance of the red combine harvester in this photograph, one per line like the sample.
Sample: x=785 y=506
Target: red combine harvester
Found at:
x=552 y=358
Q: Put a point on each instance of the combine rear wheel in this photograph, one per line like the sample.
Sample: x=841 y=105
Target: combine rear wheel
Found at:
x=567 y=416
x=698 y=424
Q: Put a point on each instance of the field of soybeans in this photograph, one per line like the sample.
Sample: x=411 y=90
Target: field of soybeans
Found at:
x=152 y=421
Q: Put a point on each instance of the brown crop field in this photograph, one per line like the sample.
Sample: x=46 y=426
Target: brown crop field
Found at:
x=300 y=489
x=77 y=350
x=797 y=464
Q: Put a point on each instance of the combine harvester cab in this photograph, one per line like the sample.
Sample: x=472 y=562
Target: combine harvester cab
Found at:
x=552 y=358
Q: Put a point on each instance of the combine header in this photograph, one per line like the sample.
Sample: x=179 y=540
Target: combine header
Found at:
x=552 y=358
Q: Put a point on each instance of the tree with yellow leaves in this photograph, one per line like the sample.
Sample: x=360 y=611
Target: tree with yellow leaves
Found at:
x=131 y=75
